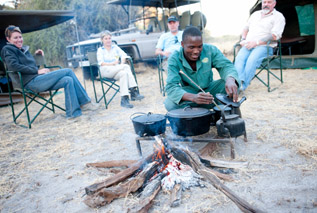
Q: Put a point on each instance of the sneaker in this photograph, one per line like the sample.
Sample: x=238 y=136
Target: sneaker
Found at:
x=89 y=107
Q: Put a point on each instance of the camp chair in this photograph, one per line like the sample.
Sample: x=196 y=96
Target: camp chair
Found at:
x=266 y=65
x=110 y=83
x=198 y=20
x=185 y=20
x=29 y=97
x=160 y=70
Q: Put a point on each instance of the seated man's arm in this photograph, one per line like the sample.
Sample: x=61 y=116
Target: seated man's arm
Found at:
x=159 y=51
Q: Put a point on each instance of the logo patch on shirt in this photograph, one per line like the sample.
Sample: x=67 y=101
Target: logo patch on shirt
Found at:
x=205 y=60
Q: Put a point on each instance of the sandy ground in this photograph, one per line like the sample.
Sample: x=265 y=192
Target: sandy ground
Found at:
x=43 y=169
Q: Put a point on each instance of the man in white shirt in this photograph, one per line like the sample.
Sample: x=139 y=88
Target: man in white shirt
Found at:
x=263 y=26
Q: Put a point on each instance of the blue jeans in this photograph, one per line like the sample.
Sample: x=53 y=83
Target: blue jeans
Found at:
x=75 y=94
x=247 y=61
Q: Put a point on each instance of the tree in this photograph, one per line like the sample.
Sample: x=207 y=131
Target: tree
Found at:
x=92 y=16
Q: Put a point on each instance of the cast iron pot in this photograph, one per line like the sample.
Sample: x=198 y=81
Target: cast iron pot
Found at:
x=148 y=124
x=226 y=109
x=189 y=121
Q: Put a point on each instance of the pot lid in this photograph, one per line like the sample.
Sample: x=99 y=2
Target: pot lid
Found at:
x=231 y=117
x=224 y=98
x=188 y=112
x=147 y=118
x=221 y=107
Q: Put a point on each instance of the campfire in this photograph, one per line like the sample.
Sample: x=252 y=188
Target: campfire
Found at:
x=169 y=168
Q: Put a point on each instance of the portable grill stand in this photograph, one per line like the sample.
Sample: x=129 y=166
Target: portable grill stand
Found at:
x=189 y=139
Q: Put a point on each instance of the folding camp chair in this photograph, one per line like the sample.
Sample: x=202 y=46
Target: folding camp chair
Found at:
x=160 y=70
x=110 y=83
x=266 y=65
x=45 y=99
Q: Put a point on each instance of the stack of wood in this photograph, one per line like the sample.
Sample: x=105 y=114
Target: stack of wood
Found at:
x=145 y=176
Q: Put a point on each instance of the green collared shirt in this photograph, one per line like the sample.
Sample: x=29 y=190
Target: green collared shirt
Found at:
x=178 y=84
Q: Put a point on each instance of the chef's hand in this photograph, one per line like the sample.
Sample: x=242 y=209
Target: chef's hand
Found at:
x=232 y=88
x=203 y=98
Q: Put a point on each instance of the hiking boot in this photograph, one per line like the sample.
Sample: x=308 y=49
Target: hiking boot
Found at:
x=89 y=107
x=135 y=95
x=125 y=102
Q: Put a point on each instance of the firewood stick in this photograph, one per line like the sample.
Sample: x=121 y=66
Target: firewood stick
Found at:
x=147 y=195
x=223 y=163
x=112 y=163
x=106 y=195
x=117 y=177
x=176 y=195
x=243 y=205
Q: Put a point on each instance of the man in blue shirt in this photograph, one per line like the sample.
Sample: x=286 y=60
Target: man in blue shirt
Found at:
x=170 y=41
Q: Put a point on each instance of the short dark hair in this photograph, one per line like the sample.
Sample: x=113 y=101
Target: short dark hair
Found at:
x=11 y=29
x=191 y=31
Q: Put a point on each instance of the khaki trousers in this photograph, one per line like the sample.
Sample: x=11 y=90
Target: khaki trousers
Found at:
x=122 y=73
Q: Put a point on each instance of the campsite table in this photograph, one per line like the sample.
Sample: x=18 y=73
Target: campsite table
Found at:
x=177 y=138
x=289 y=42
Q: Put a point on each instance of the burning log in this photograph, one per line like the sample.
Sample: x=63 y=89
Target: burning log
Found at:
x=147 y=195
x=170 y=168
x=106 y=195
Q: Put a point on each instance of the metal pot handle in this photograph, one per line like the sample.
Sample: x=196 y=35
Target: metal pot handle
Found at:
x=186 y=107
x=223 y=112
x=136 y=113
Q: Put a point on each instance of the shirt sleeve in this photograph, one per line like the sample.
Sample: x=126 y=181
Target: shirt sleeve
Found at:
x=160 y=43
x=173 y=82
x=120 y=52
x=278 y=27
x=223 y=65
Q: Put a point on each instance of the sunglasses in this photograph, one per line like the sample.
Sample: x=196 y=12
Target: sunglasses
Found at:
x=176 y=40
x=14 y=28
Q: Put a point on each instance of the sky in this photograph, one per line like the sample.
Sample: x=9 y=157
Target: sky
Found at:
x=224 y=17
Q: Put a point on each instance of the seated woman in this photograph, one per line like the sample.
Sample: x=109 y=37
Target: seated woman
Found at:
x=18 y=58
x=108 y=57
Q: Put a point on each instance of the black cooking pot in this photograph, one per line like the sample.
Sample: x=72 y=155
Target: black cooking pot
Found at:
x=226 y=109
x=189 y=121
x=148 y=124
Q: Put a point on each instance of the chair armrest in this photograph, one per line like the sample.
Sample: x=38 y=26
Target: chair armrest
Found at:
x=52 y=67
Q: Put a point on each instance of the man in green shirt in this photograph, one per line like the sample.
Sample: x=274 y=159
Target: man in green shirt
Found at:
x=193 y=63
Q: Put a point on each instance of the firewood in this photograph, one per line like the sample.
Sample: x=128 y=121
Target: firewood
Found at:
x=112 y=163
x=223 y=163
x=176 y=196
x=106 y=195
x=117 y=178
x=208 y=149
x=147 y=195
x=195 y=163
x=220 y=175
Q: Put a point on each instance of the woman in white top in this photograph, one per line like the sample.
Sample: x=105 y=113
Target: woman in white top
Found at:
x=108 y=57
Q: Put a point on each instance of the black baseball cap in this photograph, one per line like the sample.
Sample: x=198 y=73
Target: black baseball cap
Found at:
x=172 y=18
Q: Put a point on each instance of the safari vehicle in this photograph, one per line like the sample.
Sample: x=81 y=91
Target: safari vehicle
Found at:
x=140 y=38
